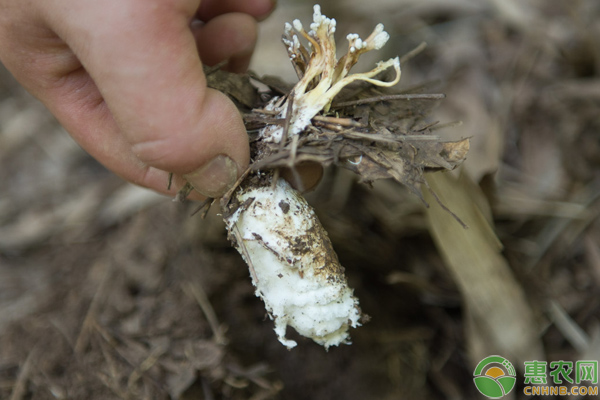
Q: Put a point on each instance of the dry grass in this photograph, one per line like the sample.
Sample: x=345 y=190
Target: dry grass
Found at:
x=109 y=291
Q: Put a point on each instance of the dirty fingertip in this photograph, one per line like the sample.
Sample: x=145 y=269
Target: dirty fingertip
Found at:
x=215 y=177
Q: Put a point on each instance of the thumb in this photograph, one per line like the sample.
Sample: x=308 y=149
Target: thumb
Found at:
x=147 y=74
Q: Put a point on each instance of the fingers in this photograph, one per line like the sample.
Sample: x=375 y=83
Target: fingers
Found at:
x=148 y=86
x=81 y=110
x=259 y=9
x=124 y=77
x=229 y=37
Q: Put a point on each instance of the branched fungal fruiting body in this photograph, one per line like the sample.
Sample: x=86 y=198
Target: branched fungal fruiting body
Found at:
x=321 y=75
x=293 y=265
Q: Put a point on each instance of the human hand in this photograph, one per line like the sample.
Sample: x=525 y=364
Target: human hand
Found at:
x=125 y=79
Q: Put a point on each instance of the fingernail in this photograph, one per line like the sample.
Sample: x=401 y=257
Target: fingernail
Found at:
x=214 y=178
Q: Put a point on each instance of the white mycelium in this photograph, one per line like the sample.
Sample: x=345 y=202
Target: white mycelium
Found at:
x=293 y=265
x=296 y=271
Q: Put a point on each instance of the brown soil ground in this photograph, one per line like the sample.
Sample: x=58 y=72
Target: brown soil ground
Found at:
x=108 y=291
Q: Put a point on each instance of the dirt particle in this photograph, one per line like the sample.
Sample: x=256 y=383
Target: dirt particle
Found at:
x=285 y=207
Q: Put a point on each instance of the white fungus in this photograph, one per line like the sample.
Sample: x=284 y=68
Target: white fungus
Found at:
x=293 y=265
x=295 y=270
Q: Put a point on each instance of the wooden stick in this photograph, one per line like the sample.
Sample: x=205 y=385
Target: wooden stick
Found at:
x=339 y=121
x=413 y=52
x=426 y=96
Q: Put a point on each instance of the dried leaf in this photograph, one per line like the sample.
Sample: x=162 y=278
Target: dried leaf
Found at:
x=499 y=317
x=234 y=85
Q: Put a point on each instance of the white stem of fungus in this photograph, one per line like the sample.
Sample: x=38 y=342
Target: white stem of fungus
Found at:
x=295 y=269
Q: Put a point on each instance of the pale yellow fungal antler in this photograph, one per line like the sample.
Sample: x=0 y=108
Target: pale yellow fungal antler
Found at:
x=321 y=75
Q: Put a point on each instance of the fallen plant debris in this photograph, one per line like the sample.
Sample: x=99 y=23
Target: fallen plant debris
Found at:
x=524 y=79
x=292 y=262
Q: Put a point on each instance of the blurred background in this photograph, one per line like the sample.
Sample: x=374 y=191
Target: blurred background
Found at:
x=110 y=291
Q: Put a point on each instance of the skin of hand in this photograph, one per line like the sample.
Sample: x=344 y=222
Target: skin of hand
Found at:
x=125 y=79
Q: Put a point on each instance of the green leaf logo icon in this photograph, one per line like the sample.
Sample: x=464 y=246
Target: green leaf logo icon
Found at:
x=494 y=377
